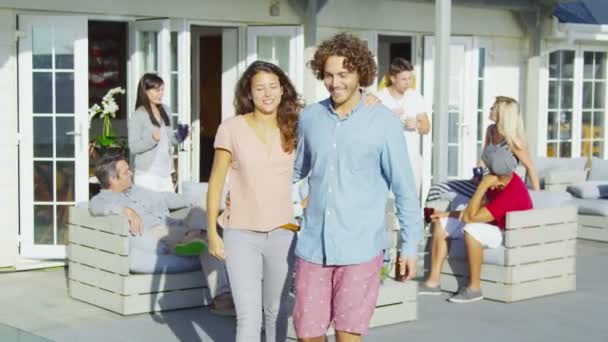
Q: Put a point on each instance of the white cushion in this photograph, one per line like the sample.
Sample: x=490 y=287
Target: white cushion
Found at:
x=599 y=169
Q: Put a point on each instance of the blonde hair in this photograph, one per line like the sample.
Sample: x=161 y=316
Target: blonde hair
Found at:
x=509 y=121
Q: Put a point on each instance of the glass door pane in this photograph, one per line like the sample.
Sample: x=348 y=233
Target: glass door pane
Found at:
x=560 y=104
x=163 y=47
x=53 y=106
x=594 y=106
x=463 y=111
x=280 y=45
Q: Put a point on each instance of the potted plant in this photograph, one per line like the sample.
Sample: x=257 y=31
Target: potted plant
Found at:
x=106 y=112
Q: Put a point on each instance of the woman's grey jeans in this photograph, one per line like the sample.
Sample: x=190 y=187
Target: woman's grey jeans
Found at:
x=260 y=268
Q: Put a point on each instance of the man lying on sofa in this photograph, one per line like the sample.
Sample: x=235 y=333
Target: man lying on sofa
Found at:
x=481 y=223
x=156 y=238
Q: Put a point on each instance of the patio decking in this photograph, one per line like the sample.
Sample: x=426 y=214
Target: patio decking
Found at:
x=37 y=302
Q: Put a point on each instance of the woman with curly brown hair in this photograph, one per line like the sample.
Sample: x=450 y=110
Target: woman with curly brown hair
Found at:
x=354 y=154
x=258 y=147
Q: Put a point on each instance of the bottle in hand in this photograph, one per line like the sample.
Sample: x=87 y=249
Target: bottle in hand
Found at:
x=398 y=275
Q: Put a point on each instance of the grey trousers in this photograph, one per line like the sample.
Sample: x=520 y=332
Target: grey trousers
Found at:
x=260 y=266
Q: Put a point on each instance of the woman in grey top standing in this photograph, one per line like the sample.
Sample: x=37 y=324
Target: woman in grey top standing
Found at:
x=151 y=136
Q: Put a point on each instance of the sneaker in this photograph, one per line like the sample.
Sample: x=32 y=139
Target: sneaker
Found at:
x=223 y=305
x=194 y=247
x=466 y=295
x=425 y=290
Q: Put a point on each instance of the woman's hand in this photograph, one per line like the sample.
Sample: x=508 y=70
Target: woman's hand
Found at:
x=156 y=133
x=216 y=245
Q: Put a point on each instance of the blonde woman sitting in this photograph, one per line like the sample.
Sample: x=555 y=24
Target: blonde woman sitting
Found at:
x=507 y=132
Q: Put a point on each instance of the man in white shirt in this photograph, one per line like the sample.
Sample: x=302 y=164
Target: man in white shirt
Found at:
x=410 y=107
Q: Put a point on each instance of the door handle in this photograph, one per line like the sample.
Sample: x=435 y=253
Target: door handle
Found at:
x=73 y=133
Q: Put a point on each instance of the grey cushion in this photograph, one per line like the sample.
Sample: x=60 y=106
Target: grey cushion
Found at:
x=196 y=193
x=549 y=199
x=599 y=169
x=587 y=190
x=141 y=261
x=544 y=165
x=596 y=207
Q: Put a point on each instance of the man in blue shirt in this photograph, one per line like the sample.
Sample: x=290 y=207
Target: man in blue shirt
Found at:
x=352 y=154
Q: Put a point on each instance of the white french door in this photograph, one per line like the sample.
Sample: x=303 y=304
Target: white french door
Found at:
x=280 y=45
x=162 y=46
x=462 y=109
x=53 y=123
x=576 y=102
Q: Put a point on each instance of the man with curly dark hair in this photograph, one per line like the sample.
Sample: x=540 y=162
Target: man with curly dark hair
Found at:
x=353 y=154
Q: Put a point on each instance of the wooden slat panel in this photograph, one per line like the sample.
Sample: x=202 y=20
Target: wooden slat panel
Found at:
x=392 y=292
x=514 y=274
x=148 y=283
x=514 y=292
x=527 y=254
x=539 y=217
x=92 y=295
x=135 y=283
x=99 y=259
x=113 y=224
x=544 y=269
x=112 y=282
x=542 y=234
x=593 y=221
x=490 y=272
x=592 y=233
x=98 y=239
x=165 y=301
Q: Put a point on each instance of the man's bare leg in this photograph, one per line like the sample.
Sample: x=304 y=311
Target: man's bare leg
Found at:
x=439 y=252
x=343 y=336
x=475 y=256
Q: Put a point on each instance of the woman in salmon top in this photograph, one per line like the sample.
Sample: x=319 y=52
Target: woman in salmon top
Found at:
x=257 y=146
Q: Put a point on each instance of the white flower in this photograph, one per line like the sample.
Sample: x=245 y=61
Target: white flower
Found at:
x=108 y=105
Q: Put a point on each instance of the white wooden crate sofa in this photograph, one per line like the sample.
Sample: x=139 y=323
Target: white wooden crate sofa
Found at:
x=561 y=174
x=538 y=257
x=99 y=273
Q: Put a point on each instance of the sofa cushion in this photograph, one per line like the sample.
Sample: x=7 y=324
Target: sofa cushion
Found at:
x=599 y=169
x=596 y=207
x=588 y=189
x=603 y=191
x=545 y=165
x=149 y=262
x=196 y=194
x=549 y=199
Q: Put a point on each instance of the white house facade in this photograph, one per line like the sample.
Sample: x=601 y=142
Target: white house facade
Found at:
x=58 y=57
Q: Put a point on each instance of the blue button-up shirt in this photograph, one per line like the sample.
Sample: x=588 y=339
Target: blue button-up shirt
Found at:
x=352 y=163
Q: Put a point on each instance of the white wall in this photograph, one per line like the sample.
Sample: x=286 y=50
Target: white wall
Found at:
x=9 y=200
x=505 y=64
x=416 y=17
x=255 y=11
